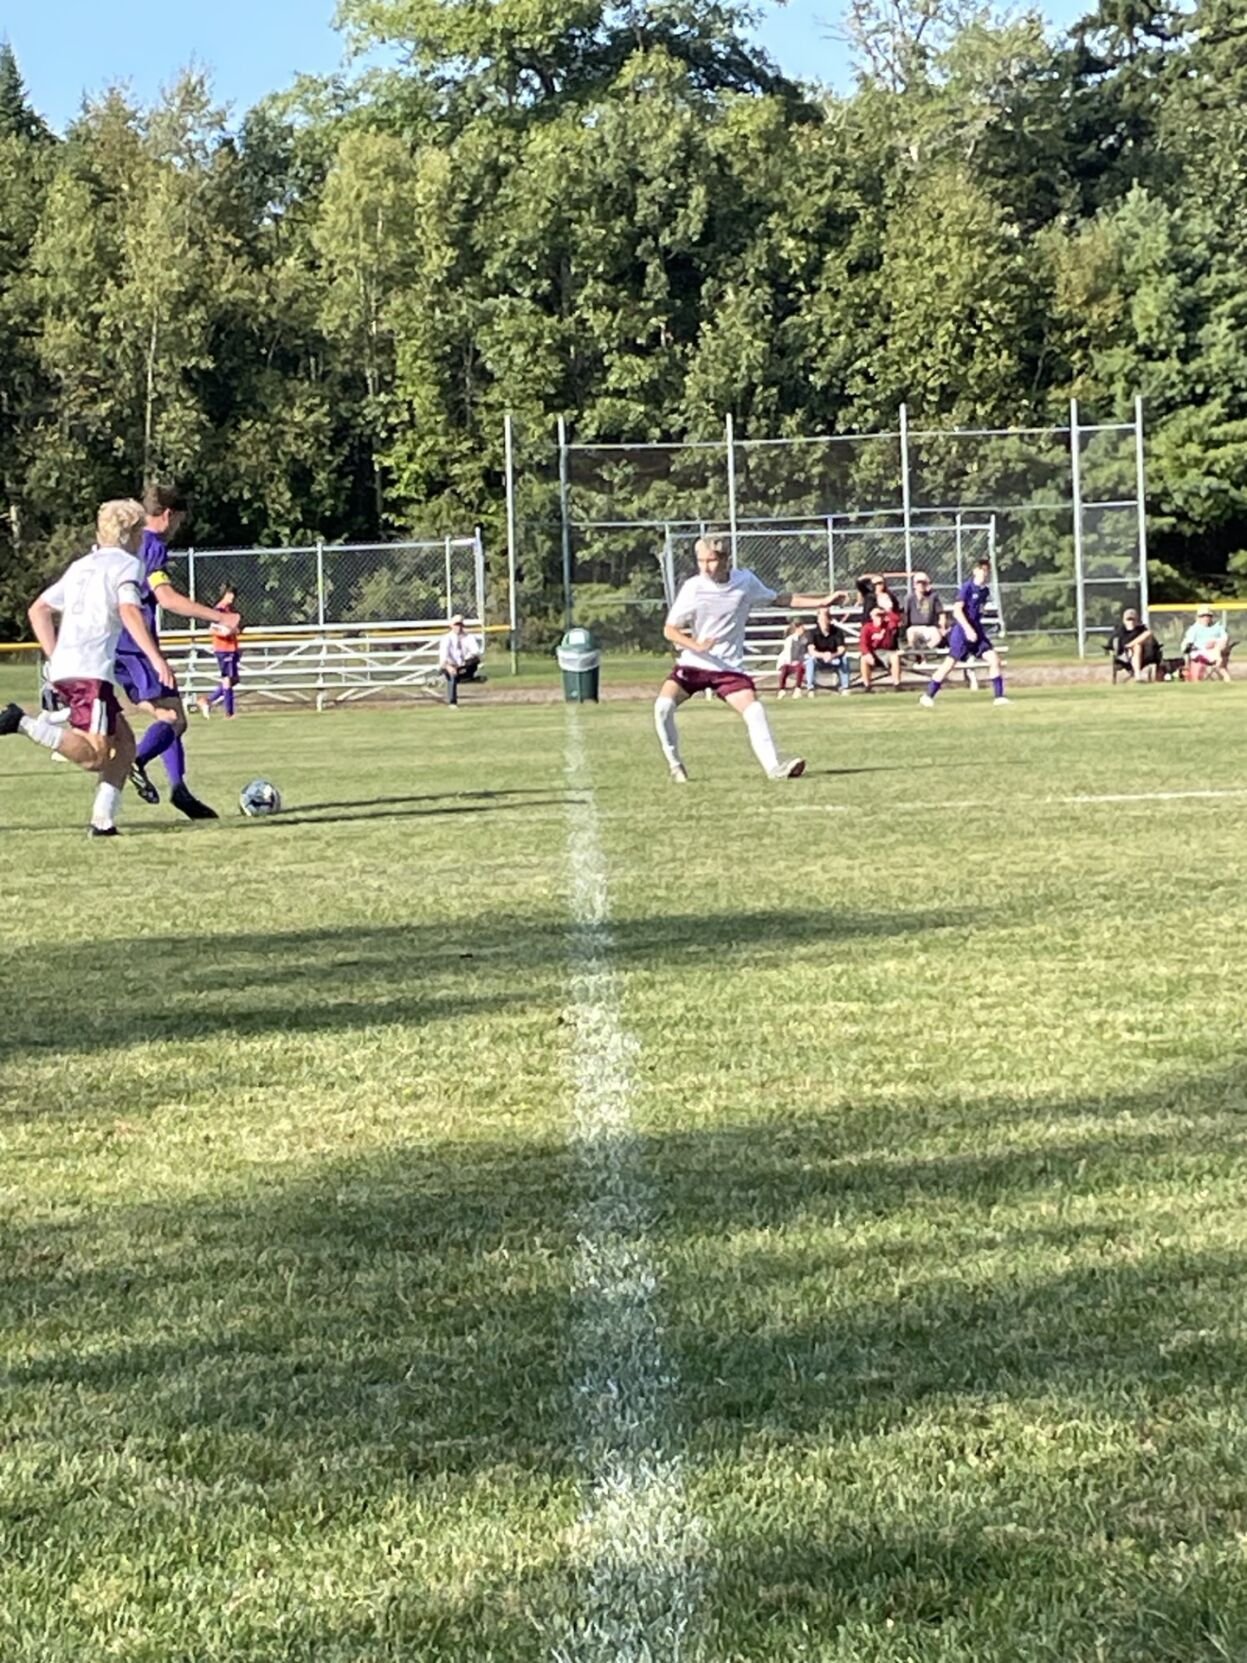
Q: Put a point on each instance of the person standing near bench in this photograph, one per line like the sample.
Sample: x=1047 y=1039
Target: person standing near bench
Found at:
x=969 y=637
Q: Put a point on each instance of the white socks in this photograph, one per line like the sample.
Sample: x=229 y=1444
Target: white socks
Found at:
x=104 y=809
x=664 y=723
x=42 y=730
x=760 y=736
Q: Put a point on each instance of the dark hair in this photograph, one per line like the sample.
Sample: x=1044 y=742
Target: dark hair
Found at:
x=160 y=499
x=226 y=589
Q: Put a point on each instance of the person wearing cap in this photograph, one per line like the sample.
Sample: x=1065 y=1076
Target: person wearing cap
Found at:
x=1134 y=648
x=922 y=615
x=1207 y=646
x=458 y=658
x=877 y=644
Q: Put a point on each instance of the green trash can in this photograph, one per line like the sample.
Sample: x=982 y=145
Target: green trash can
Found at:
x=581 y=664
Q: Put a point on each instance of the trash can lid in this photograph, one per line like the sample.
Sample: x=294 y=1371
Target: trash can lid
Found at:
x=578 y=638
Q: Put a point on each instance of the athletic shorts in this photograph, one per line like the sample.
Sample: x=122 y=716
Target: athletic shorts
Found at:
x=138 y=680
x=93 y=706
x=228 y=662
x=961 y=647
x=719 y=682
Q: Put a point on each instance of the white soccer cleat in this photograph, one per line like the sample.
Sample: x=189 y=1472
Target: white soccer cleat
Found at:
x=679 y=774
x=790 y=770
x=779 y=695
x=205 y=709
x=1002 y=700
x=927 y=702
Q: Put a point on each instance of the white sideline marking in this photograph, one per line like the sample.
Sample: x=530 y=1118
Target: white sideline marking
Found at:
x=637 y=1545
x=1153 y=796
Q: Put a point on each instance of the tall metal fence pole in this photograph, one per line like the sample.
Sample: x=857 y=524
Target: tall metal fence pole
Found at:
x=1075 y=458
x=906 y=504
x=478 y=564
x=831 y=554
x=565 y=512
x=957 y=546
x=190 y=574
x=729 y=432
x=1140 y=486
x=320 y=583
x=513 y=615
x=450 y=595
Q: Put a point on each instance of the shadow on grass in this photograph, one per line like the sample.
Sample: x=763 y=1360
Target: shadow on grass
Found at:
x=378 y=1328
x=310 y=981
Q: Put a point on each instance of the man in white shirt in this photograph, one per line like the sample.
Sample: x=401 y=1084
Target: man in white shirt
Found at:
x=458 y=657
x=1208 y=645
x=97 y=597
x=707 y=623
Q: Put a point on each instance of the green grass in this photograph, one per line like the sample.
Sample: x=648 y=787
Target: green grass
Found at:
x=937 y=1107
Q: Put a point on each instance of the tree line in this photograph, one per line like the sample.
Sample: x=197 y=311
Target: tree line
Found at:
x=315 y=316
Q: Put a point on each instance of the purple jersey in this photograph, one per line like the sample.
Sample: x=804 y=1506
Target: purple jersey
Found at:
x=154 y=559
x=974 y=597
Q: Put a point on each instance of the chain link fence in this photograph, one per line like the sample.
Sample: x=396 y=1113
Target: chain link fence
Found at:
x=1057 y=509
x=333 y=586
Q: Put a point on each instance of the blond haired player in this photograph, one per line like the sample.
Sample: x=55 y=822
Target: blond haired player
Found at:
x=96 y=598
x=707 y=623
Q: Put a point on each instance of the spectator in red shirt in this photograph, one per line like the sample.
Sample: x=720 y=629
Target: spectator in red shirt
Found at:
x=878 y=644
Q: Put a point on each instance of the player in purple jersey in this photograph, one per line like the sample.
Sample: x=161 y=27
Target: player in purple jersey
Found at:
x=968 y=637
x=166 y=510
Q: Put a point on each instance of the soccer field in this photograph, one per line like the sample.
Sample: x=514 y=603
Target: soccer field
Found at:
x=508 y=1207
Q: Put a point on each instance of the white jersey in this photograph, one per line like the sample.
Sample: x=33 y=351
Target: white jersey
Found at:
x=88 y=597
x=718 y=613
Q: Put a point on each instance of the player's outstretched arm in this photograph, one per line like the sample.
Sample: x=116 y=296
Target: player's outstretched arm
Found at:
x=170 y=599
x=43 y=623
x=134 y=620
x=807 y=603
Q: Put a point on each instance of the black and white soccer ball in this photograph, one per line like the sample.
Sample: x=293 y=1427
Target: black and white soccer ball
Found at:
x=259 y=798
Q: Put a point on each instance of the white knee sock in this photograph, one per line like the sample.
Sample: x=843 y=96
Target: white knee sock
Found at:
x=104 y=809
x=760 y=736
x=664 y=722
x=42 y=730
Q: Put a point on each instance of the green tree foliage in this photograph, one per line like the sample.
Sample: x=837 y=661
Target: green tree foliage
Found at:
x=622 y=214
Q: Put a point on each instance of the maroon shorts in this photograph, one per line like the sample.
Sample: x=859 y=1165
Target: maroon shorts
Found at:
x=93 y=706
x=718 y=682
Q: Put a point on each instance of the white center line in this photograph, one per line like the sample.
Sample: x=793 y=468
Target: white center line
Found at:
x=637 y=1550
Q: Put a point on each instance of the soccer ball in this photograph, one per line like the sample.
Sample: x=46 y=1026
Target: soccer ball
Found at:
x=259 y=798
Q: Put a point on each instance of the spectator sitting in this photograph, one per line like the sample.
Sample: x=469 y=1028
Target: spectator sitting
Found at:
x=458 y=658
x=825 y=645
x=1134 y=648
x=1208 y=646
x=872 y=589
x=791 y=660
x=921 y=615
x=878 y=646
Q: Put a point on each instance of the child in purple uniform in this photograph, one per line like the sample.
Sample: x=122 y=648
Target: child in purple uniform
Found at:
x=165 y=509
x=968 y=637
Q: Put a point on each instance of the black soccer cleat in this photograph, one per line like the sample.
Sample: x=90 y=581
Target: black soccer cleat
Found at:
x=191 y=806
x=11 y=718
x=143 y=787
x=103 y=831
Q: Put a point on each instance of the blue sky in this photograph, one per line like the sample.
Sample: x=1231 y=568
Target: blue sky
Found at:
x=68 y=47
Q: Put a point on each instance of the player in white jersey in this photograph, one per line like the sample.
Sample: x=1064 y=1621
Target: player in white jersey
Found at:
x=96 y=598
x=707 y=623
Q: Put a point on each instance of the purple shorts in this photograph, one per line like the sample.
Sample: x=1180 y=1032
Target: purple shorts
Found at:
x=718 y=682
x=961 y=647
x=228 y=662
x=138 y=680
